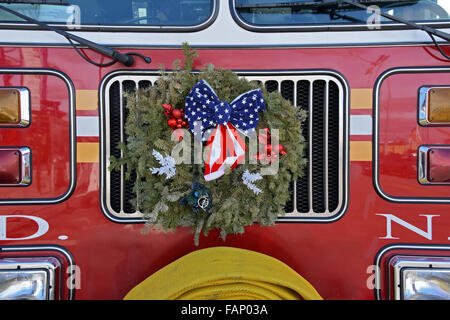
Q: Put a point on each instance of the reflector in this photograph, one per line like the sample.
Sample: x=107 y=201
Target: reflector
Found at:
x=439 y=165
x=10 y=167
x=15 y=166
x=433 y=165
x=14 y=107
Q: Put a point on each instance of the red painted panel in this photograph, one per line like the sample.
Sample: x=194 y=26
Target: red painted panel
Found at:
x=400 y=135
x=47 y=136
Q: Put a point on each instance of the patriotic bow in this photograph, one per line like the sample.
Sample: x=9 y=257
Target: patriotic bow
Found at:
x=204 y=111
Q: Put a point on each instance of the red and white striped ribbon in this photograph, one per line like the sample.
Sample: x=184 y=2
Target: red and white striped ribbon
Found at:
x=226 y=149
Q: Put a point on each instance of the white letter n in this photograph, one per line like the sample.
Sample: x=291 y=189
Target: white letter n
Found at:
x=390 y=217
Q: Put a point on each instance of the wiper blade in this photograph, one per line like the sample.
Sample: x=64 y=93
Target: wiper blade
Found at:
x=362 y=4
x=314 y=4
x=414 y=25
x=124 y=58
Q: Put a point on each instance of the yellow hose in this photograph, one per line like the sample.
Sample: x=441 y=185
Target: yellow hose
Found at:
x=224 y=273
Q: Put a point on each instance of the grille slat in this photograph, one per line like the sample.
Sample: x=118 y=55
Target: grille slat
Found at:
x=115 y=138
x=319 y=193
x=333 y=147
x=302 y=184
x=317 y=144
x=129 y=87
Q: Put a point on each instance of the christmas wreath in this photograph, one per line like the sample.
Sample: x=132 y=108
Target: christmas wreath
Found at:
x=210 y=149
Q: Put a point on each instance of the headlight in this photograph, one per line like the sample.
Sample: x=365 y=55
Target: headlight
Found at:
x=420 y=284
x=28 y=278
x=421 y=278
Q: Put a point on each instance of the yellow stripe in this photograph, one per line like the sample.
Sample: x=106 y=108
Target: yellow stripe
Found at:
x=360 y=150
x=361 y=99
x=87 y=152
x=87 y=99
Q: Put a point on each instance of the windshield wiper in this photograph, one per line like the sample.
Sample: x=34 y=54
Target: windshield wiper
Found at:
x=414 y=25
x=431 y=31
x=333 y=4
x=314 y=4
x=337 y=4
x=125 y=58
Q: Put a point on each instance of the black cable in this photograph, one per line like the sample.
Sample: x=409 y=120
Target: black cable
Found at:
x=87 y=58
x=438 y=46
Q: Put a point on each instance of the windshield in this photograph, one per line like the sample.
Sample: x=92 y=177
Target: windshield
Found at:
x=310 y=12
x=112 y=12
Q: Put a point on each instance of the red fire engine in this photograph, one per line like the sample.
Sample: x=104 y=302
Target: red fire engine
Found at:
x=369 y=219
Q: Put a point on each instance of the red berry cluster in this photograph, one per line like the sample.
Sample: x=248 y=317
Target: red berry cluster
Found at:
x=271 y=153
x=176 y=117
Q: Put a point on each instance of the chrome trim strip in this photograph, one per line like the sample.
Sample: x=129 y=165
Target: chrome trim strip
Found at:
x=376 y=116
x=310 y=138
x=422 y=165
x=325 y=112
x=121 y=140
x=379 y=256
x=249 y=46
x=279 y=76
x=72 y=136
x=25 y=154
x=25 y=107
x=423 y=106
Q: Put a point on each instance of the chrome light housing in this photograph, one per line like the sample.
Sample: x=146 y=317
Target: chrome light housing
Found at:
x=28 y=278
x=421 y=278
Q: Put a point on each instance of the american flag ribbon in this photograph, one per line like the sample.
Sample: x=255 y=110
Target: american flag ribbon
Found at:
x=205 y=112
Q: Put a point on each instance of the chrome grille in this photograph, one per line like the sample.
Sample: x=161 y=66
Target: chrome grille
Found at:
x=319 y=195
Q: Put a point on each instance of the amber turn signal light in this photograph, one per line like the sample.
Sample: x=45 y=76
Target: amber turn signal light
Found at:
x=434 y=106
x=439 y=105
x=14 y=107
